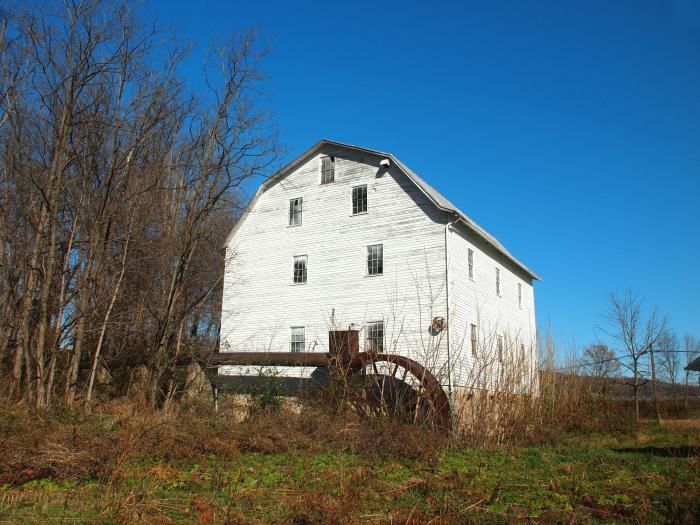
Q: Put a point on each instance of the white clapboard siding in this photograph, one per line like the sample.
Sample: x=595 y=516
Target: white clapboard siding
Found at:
x=475 y=301
x=423 y=244
x=261 y=303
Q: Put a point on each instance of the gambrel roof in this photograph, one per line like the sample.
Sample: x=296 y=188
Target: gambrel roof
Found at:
x=433 y=195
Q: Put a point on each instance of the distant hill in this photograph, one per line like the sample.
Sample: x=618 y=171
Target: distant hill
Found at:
x=620 y=387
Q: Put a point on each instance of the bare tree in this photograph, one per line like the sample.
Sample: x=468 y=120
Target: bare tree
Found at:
x=600 y=361
x=117 y=188
x=638 y=337
x=670 y=358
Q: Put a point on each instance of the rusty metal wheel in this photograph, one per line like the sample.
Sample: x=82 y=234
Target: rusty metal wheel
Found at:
x=398 y=387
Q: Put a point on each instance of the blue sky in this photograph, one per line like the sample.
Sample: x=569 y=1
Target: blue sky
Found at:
x=569 y=130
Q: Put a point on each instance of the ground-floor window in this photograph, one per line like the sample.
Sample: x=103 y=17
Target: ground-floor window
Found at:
x=375 y=336
x=298 y=339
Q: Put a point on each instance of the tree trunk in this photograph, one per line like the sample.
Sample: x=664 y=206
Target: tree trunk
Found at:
x=103 y=330
x=636 y=391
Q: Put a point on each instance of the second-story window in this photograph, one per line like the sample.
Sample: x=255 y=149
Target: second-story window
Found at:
x=295 y=207
x=375 y=259
x=498 y=281
x=327 y=169
x=300 y=269
x=359 y=199
x=470 y=262
x=375 y=336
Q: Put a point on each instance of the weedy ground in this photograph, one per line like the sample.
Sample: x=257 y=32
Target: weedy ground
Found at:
x=128 y=465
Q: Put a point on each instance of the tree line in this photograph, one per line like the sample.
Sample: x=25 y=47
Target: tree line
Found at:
x=118 y=186
x=649 y=350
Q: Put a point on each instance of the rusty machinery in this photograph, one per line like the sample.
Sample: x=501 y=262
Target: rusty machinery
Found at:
x=403 y=386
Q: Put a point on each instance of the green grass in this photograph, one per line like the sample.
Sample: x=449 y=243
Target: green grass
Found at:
x=652 y=476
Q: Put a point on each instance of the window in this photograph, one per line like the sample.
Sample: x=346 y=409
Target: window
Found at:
x=375 y=336
x=375 y=259
x=359 y=199
x=500 y=348
x=470 y=261
x=295 y=206
x=327 y=169
x=300 y=269
x=475 y=341
x=498 y=281
x=520 y=295
x=298 y=339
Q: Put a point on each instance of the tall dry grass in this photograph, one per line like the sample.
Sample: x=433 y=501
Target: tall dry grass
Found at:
x=519 y=395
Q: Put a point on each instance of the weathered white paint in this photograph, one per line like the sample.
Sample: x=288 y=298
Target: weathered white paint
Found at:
x=475 y=301
x=261 y=303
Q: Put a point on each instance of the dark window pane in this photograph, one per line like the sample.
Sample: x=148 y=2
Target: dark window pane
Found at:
x=295 y=209
x=300 y=269
x=375 y=259
x=359 y=200
x=327 y=170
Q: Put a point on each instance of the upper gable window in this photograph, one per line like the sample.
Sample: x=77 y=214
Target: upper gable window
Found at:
x=498 y=281
x=470 y=262
x=295 y=207
x=359 y=199
x=327 y=169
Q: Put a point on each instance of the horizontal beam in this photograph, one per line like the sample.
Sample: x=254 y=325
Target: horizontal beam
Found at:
x=265 y=359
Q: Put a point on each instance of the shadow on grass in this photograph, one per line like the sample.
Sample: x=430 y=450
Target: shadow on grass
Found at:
x=682 y=451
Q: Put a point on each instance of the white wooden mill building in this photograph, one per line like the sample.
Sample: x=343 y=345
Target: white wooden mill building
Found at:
x=346 y=237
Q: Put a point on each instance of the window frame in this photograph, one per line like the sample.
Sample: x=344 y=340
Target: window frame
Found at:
x=369 y=260
x=293 y=212
x=293 y=341
x=304 y=270
x=371 y=337
x=498 y=282
x=470 y=263
x=520 y=295
x=499 y=348
x=366 y=199
x=474 y=336
x=331 y=158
